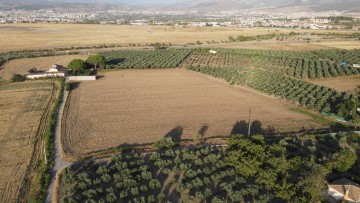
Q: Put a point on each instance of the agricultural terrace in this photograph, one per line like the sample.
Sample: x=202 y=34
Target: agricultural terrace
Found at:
x=247 y=170
x=22 y=66
x=24 y=108
x=136 y=107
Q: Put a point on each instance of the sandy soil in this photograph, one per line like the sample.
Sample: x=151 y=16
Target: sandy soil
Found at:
x=16 y=36
x=21 y=66
x=141 y=106
x=343 y=84
x=22 y=107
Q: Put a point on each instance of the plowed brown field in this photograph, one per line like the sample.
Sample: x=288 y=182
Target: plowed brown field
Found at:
x=140 y=106
x=24 y=108
x=22 y=66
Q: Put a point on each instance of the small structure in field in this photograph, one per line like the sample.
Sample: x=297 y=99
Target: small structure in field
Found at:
x=212 y=52
x=356 y=65
x=344 y=190
x=54 y=71
x=343 y=63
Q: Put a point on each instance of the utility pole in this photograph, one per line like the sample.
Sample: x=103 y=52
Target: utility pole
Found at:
x=249 y=130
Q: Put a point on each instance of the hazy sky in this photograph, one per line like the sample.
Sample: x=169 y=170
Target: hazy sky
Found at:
x=133 y=2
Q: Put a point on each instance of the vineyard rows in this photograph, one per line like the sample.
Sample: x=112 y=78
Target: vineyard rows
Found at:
x=336 y=55
x=171 y=58
x=298 y=91
x=269 y=53
x=304 y=68
x=203 y=58
x=288 y=63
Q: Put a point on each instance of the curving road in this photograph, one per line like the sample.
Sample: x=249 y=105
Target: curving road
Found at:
x=59 y=162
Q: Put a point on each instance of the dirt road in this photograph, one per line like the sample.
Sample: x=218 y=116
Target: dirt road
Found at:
x=59 y=162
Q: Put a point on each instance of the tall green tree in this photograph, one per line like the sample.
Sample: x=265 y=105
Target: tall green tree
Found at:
x=313 y=183
x=96 y=60
x=77 y=66
x=245 y=155
x=344 y=160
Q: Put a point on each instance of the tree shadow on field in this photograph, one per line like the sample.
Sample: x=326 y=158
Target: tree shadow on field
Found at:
x=74 y=85
x=202 y=131
x=242 y=127
x=115 y=61
x=99 y=77
x=175 y=133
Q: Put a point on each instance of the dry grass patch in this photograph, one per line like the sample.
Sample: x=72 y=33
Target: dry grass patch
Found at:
x=21 y=66
x=15 y=37
x=141 y=106
x=23 y=107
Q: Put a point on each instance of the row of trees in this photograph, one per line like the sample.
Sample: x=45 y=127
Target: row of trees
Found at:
x=249 y=169
x=6 y=56
x=304 y=68
x=299 y=64
x=170 y=58
x=88 y=67
x=269 y=53
x=337 y=55
x=202 y=57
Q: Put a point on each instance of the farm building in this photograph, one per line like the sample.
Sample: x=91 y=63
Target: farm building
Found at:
x=54 y=71
x=344 y=190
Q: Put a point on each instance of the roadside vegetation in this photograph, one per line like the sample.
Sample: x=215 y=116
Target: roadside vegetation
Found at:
x=44 y=165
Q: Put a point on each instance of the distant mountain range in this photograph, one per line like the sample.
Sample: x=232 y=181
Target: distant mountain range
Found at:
x=201 y=5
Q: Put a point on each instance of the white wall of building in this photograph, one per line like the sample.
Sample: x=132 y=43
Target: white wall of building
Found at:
x=82 y=78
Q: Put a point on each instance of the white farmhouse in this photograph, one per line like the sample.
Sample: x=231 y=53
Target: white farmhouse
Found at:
x=54 y=71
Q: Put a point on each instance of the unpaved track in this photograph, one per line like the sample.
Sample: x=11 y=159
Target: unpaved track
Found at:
x=136 y=107
x=59 y=162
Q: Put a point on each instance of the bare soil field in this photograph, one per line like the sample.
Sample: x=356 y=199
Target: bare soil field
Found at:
x=343 y=84
x=135 y=107
x=23 y=108
x=16 y=36
x=21 y=66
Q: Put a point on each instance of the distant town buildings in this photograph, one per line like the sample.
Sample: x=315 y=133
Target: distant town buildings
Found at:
x=236 y=18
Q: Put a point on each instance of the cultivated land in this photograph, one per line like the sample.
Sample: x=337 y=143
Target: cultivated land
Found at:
x=22 y=66
x=24 y=108
x=140 y=106
x=343 y=84
x=16 y=36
